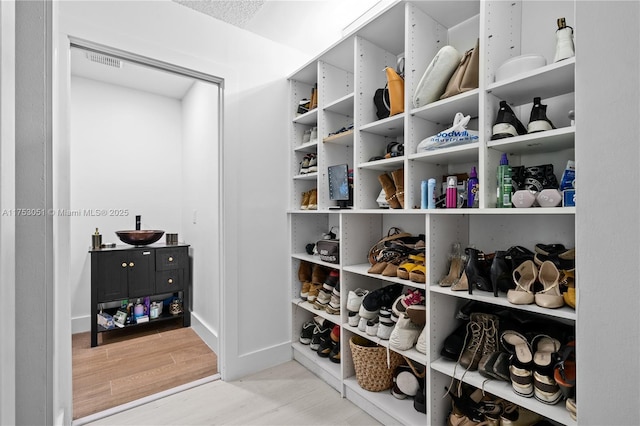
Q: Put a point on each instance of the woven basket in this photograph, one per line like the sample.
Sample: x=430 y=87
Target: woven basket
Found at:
x=370 y=362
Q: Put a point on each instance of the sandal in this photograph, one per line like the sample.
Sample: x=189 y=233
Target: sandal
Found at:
x=565 y=370
x=457 y=262
x=545 y=388
x=418 y=274
x=408 y=265
x=520 y=363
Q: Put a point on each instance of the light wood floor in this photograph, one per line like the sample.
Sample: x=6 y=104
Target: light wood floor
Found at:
x=129 y=365
x=288 y=394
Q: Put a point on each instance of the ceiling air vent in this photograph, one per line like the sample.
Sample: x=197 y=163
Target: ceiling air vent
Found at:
x=104 y=59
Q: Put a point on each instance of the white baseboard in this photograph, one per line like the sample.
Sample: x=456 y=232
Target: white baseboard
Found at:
x=206 y=333
x=80 y=324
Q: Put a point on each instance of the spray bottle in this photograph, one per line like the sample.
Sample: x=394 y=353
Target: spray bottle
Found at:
x=504 y=183
x=451 y=199
x=473 y=189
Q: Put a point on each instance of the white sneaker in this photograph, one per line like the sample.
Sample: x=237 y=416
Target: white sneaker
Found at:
x=354 y=299
x=354 y=319
x=404 y=335
x=385 y=329
x=362 y=324
x=421 y=344
x=372 y=327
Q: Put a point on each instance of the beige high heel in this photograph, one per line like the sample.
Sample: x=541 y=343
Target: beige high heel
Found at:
x=457 y=265
x=524 y=276
x=549 y=277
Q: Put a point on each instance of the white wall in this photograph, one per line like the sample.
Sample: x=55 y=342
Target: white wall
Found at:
x=608 y=203
x=254 y=196
x=200 y=205
x=126 y=158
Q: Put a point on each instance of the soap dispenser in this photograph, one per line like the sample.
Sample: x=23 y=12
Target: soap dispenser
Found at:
x=96 y=240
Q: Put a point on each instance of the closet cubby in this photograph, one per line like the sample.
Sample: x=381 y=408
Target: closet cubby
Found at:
x=347 y=75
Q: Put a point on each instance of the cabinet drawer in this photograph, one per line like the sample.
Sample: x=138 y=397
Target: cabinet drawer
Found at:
x=169 y=281
x=171 y=258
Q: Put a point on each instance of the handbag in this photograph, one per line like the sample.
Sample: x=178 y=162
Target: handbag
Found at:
x=465 y=77
x=435 y=78
x=390 y=99
x=329 y=250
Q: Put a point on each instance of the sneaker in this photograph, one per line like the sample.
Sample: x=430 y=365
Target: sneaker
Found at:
x=404 y=334
x=385 y=324
x=328 y=346
x=362 y=324
x=313 y=135
x=538 y=121
x=304 y=164
x=333 y=307
x=336 y=290
x=384 y=296
x=507 y=124
x=354 y=319
x=306 y=136
x=322 y=300
x=331 y=281
x=372 y=327
x=307 y=332
x=313 y=164
x=320 y=333
x=417 y=314
x=354 y=299
x=412 y=297
x=334 y=356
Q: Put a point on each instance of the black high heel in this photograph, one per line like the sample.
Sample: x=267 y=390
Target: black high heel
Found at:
x=478 y=268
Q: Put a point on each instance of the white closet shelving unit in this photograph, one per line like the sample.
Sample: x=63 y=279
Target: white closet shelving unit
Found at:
x=347 y=76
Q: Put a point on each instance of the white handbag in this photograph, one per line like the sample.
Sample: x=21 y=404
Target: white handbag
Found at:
x=434 y=80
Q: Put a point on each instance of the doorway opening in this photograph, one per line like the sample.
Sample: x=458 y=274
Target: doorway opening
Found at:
x=145 y=140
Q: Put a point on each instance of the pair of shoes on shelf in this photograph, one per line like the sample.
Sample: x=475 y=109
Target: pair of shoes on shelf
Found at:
x=319 y=274
x=508 y=125
x=561 y=257
x=330 y=346
x=481 y=340
x=354 y=299
x=532 y=365
x=328 y=298
x=414 y=262
x=405 y=334
x=376 y=299
x=320 y=331
x=309 y=200
x=309 y=164
x=304 y=276
x=393 y=187
x=526 y=275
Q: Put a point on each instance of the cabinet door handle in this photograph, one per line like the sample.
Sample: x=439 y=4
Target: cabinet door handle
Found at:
x=170 y=259
x=131 y=264
x=170 y=280
x=124 y=264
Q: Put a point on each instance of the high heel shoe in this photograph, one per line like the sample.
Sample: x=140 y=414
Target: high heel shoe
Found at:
x=549 y=277
x=524 y=276
x=455 y=269
x=477 y=269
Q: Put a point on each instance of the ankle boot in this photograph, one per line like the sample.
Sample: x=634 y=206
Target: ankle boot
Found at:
x=478 y=269
x=398 y=181
x=318 y=274
x=472 y=352
x=304 y=271
x=538 y=120
x=564 y=41
x=389 y=191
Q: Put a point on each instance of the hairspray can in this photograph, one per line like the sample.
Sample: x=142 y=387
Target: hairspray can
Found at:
x=424 y=195
x=432 y=194
x=451 y=199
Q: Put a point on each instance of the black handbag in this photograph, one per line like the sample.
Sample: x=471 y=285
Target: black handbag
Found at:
x=381 y=101
x=329 y=250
